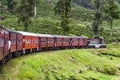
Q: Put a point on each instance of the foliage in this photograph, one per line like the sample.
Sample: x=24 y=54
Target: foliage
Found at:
x=3 y=7
x=112 y=11
x=11 y=4
x=82 y=14
x=98 y=15
x=63 y=8
x=66 y=64
x=85 y=3
x=80 y=21
x=25 y=12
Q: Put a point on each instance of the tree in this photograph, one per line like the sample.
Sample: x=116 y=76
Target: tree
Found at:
x=63 y=8
x=118 y=1
x=35 y=10
x=3 y=6
x=98 y=15
x=112 y=11
x=25 y=11
x=11 y=4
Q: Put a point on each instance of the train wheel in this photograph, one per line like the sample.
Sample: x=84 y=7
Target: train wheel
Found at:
x=16 y=54
x=21 y=53
x=9 y=56
x=3 y=61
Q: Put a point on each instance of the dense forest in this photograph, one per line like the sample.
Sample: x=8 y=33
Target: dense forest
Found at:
x=85 y=17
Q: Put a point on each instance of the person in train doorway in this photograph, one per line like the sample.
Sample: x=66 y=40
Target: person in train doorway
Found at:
x=9 y=44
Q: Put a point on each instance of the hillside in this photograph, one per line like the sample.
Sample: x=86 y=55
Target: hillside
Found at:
x=47 y=20
x=49 y=23
x=75 y=64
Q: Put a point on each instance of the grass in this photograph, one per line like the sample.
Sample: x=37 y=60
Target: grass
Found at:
x=75 y=64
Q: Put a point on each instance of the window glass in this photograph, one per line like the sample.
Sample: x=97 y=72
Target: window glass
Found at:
x=43 y=40
x=13 y=40
x=19 y=40
x=35 y=41
x=59 y=40
x=94 y=41
x=1 y=42
x=51 y=41
x=27 y=41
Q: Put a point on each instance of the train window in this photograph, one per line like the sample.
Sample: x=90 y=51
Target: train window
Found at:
x=13 y=41
x=19 y=40
x=59 y=40
x=1 y=42
x=50 y=41
x=94 y=41
x=43 y=41
x=35 y=41
x=27 y=41
x=67 y=41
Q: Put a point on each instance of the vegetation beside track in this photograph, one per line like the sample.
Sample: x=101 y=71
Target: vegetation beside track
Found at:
x=73 y=64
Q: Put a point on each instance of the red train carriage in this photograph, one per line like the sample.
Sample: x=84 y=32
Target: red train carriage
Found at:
x=58 y=41
x=14 y=42
x=50 y=41
x=1 y=43
x=46 y=41
x=66 y=41
x=6 y=44
x=15 y=39
x=30 y=42
x=2 y=40
x=19 y=42
x=42 y=41
x=82 y=41
x=35 y=43
x=74 y=41
x=4 y=47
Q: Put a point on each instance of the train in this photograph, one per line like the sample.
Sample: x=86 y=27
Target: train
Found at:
x=15 y=43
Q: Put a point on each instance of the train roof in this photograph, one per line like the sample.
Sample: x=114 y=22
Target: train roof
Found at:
x=12 y=31
x=9 y=30
x=45 y=35
x=27 y=33
x=40 y=35
x=60 y=36
x=77 y=37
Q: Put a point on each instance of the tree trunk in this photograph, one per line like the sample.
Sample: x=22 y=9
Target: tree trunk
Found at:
x=25 y=26
x=35 y=10
x=111 y=28
x=96 y=27
x=96 y=30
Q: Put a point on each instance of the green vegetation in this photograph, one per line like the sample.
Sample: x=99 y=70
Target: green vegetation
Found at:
x=113 y=12
x=76 y=64
x=63 y=8
x=81 y=19
x=25 y=12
